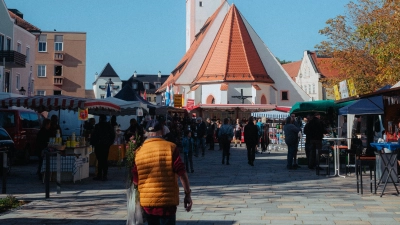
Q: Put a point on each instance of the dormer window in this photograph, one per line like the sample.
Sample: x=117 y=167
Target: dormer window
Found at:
x=146 y=85
x=102 y=86
x=158 y=85
x=134 y=85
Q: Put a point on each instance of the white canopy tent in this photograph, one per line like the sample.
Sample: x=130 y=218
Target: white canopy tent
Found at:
x=273 y=115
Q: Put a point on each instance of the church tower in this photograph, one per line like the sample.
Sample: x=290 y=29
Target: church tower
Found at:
x=197 y=13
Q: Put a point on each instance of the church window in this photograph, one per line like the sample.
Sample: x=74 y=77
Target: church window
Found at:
x=263 y=100
x=284 y=95
x=210 y=100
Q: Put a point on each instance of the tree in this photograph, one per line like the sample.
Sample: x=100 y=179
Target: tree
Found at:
x=365 y=44
x=283 y=61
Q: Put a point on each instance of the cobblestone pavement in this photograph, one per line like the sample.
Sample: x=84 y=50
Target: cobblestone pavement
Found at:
x=223 y=194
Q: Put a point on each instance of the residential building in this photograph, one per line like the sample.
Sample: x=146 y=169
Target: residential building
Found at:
x=229 y=70
x=16 y=56
x=309 y=72
x=60 y=63
x=102 y=81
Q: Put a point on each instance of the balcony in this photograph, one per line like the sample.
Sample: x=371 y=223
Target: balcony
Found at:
x=59 y=56
x=13 y=59
x=58 y=80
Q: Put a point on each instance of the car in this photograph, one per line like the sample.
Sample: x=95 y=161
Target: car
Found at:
x=23 y=126
x=6 y=144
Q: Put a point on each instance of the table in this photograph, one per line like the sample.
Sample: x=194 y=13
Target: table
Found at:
x=336 y=154
x=389 y=160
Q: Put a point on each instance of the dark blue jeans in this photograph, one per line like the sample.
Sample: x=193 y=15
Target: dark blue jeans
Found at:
x=161 y=220
x=290 y=155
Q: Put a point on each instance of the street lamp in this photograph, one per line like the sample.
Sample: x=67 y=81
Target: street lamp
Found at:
x=22 y=91
x=110 y=82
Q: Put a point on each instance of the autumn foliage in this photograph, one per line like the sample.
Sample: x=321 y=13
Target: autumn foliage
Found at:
x=365 y=44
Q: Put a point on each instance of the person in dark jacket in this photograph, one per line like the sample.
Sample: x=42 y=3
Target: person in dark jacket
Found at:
x=133 y=130
x=200 y=134
x=225 y=135
x=251 y=139
x=292 y=140
x=210 y=133
x=42 y=140
x=102 y=138
x=314 y=132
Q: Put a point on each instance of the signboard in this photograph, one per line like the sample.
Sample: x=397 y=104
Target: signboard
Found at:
x=344 y=93
x=178 y=100
x=190 y=104
x=139 y=112
x=83 y=114
x=336 y=91
x=352 y=89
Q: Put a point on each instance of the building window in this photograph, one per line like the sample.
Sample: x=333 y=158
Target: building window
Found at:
x=43 y=43
x=40 y=92
x=102 y=96
x=28 y=50
x=134 y=85
x=1 y=42
x=201 y=4
x=313 y=88
x=19 y=47
x=285 y=96
x=18 y=81
x=309 y=88
x=305 y=88
x=146 y=85
x=149 y=99
x=56 y=92
x=41 y=71
x=58 y=43
x=158 y=85
x=58 y=71
x=155 y=99
x=8 y=44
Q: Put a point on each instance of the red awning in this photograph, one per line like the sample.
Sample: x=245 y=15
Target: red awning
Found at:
x=283 y=108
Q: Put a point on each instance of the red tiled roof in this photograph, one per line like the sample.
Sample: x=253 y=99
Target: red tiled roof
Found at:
x=176 y=73
x=326 y=69
x=292 y=68
x=194 y=87
x=22 y=23
x=233 y=56
x=224 y=87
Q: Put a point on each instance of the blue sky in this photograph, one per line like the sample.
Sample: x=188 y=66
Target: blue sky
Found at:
x=148 y=36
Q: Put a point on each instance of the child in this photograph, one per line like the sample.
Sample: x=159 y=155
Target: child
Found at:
x=188 y=148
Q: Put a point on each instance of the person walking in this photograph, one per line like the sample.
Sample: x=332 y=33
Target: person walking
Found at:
x=102 y=138
x=297 y=122
x=315 y=132
x=225 y=135
x=292 y=141
x=217 y=127
x=159 y=195
x=42 y=140
x=201 y=129
x=260 y=127
x=251 y=140
x=238 y=133
x=188 y=148
x=210 y=133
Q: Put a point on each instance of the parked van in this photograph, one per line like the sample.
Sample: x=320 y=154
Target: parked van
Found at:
x=23 y=126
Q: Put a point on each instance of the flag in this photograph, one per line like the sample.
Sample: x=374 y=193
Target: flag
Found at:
x=172 y=95
x=108 y=91
x=144 y=95
x=167 y=97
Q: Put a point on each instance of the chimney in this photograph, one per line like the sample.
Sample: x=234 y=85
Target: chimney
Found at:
x=159 y=74
x=134 y=74
x=96 y=75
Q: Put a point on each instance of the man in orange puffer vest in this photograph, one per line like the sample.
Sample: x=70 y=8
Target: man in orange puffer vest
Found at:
x=157 y=162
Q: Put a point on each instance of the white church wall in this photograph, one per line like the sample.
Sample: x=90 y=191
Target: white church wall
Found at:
x=211 y=89
x=283 y=82
x=265 y=90
x=234 y=90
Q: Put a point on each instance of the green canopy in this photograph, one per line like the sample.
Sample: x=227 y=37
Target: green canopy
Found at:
x=321 y=106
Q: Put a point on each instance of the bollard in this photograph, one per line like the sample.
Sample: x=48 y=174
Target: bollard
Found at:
x=47 y=173
x=3 y=189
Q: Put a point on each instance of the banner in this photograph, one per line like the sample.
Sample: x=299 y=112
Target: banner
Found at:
x=83 y=114
x=190 y=104
x=352 y=89
x=336 y=91
x=344 y=93
x=178 y=100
